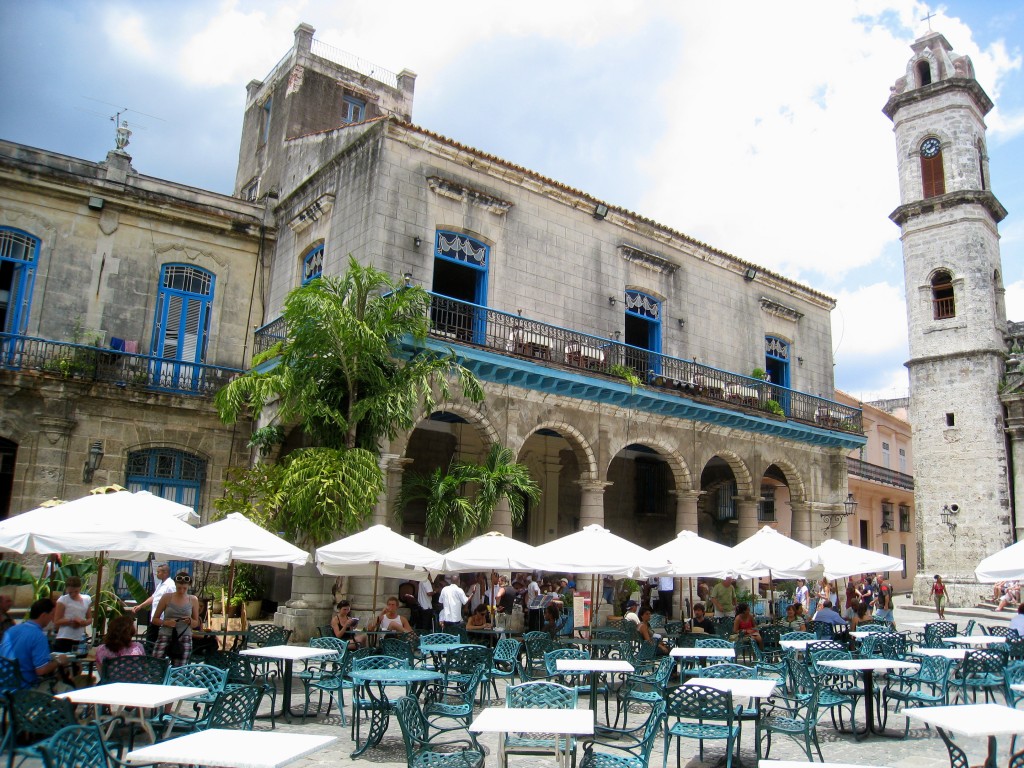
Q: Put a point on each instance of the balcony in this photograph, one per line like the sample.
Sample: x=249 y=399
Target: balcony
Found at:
x=122 y=369
x=878 y=474
x=577 y=363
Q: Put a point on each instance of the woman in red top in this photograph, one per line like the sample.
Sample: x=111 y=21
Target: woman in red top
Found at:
x=939 y=593
x=745 y=626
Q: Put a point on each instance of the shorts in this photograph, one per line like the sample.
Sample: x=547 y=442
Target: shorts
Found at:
x=184 y=646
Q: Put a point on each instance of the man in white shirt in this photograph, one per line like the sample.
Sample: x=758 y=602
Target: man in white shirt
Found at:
x=424 y=595
x=1017 y=622
x=165 y=585
x=533 y=592
x=631 y=614
x=666 y=591
x=452 y=599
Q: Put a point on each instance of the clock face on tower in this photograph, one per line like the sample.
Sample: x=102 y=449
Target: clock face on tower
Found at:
x=930 y=147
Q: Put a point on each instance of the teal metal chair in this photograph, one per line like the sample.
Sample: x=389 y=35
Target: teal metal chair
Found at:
x=241 y=671
x=454 y=698
x=642 y=688
x=426 y=750
x=539 y=694
x=78 y=746
x=702 y=713
x=981 y=670
x=578 y=680
x=363 y=703
x=795 y=716
x=624 y=748
x=504 y=662
x=927 y=687
x=38 y=716
x=327 y=676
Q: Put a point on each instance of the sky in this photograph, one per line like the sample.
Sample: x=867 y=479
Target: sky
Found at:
x=752 y=125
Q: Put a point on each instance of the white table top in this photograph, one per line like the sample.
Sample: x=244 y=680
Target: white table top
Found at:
x=288 y=652
x=972 y=719
x=957 y=654
x=860 y=634
x=704 y=653
x=866 y=664
x=131 y=694
x=796 y=645
x=917 y=624
x=232 y=749
x=509 y=719
x=805 y=764
x=1019 y=687
x=739 y=686
x=593 y=665
x=974 y=640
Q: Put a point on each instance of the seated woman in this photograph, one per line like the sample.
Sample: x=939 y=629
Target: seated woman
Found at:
x=344 y=624
x=479 y=619
x=119 y=641
x=389 y=620
x=643 y=629
x=745 y=626
x=793 y=620
x=552 y=620
x=801 y=614
x=861 y=613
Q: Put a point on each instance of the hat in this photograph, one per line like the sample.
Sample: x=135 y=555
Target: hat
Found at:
x=159 y=564
x=631 y=604
x=564 y=580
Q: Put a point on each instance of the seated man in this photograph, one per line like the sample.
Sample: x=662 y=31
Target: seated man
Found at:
x=26 y=643
x=828 y=615
x=701 y=621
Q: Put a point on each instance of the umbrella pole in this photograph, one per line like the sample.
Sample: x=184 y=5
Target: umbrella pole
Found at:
x=231 y=593
x=376 y=570
x=771 y=594
x=689 y=583
x=97 y=624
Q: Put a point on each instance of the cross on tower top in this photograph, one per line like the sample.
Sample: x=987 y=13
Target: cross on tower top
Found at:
x=929 y=18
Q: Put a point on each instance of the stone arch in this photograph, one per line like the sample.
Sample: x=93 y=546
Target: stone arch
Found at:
x=473 y=416
x=740 y=470
x=681 y=474
x=795 y=481
x=578 y=442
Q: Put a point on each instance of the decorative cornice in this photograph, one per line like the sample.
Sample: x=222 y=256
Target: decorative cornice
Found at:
x=778 y=309
x=312 y=212
x=985 y=199
x=899 y=100
x=456 y=191
x=647 y=259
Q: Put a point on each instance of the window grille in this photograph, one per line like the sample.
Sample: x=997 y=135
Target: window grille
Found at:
x=904 y=518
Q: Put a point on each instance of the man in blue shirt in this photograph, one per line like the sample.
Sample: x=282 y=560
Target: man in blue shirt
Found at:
x=827 y=615
x=26 y=643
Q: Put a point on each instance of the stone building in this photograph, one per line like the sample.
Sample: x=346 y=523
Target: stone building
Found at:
x=949 y=219
x=125 y=303
x=543 y=290
x=881 y=481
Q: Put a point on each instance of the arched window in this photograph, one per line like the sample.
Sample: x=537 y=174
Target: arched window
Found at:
x=313 y=264
x=18 y=254
x=933 y=179
x=181 y=328
x=943 y=301
x=924 y=73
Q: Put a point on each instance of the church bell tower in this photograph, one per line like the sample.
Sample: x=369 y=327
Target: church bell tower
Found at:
x=956 y=316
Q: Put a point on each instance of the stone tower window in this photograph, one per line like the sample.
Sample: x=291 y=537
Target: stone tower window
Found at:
x=933 y=180
x=924 y=73
x=943 y=301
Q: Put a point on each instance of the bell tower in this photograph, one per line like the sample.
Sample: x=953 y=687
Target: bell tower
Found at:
x=956 y=316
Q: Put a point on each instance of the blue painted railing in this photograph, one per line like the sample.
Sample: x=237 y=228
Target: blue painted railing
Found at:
x=123 y=369
x=467 y=324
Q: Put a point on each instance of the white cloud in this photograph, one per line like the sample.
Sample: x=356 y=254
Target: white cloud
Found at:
x=869 y=320
x=889 y=383
x=1015 y=301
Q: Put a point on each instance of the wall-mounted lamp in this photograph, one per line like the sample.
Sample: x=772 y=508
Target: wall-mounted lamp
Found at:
x=948 y=516
x=834 y=519
x=886 y=525
x=800 y=360
x=407 y=276
x=417 y=241
x=600 y=211
x=612 y=300
x=682 y=322
x=616 y=335
x=92 y=461
x=750 y=274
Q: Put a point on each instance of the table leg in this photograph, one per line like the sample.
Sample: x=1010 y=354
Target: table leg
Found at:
x=593 y=693
x=869 y=702
x=380 y=717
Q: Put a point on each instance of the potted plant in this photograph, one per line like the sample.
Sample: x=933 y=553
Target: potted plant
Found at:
x=249 y=589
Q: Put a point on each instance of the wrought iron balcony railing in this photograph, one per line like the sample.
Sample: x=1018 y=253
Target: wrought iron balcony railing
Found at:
x=123 y=369
x=463 y=323
x=879 y=474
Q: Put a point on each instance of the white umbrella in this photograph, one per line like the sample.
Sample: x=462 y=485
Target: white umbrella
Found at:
x=249 y=543
x=688 y=555
x=492 y=550
x=379 y=552
x=1003 y=565
x=597 y=550
x=770 y=550
x=122 y=526
x=843 y=560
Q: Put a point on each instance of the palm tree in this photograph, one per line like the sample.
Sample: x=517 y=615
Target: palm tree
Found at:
x=450 y=511
x=342 y=376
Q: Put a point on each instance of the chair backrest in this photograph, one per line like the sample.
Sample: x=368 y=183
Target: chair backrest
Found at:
x=824 y=645
x=653 y=726
x=540 y=695
x=10 y=676
x=934 y=671
x=797 y=636
x=713 y=642
x=466 y=658
x=439 y=638
x=700 y=702
x=536 y=647
x=325 y=630
x=770 y=636
x=378 y=662
x=656 y=620
x=971 y=624
x=399 y=647
x=891 y=645
x=551 y=658
x=609 y=633
x=235 y=707
x=998 y=630
x=983 y=662
x=207 y=676
x=823 y=630
x=870 y=626
x=263 y=635
x=1013 y=674
x=239 y=667
x=934 y=632
x=724 y=625
x=506 y=652
x=39 y=713
x=134 y=669
x=415 y=729
x=727 y=670
x=76 y=746
x=800 y=679
x=329 y=643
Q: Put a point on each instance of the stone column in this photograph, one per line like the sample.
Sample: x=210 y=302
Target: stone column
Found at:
x=800 y=529
x=746 y=514
x=686 y=510
x=1015 y=420
x=592 y=502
